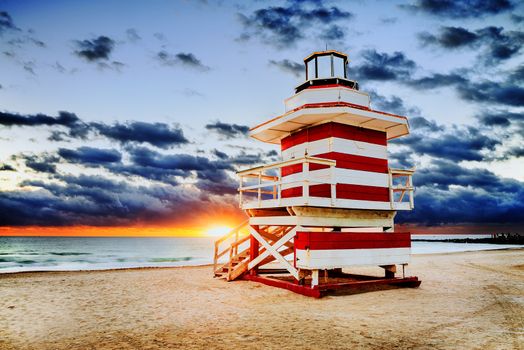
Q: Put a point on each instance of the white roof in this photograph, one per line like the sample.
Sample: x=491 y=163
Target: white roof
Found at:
x=277 y=128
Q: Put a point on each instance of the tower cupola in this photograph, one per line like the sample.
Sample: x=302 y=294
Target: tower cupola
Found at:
x=326 y=68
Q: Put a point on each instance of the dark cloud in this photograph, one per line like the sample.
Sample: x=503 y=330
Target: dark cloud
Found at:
x=160 y=36
x=181 y=59
x=43 y=163
x=156 y=134
x=6 y=22
x=297 y=69
x=6 y=167
x=14 y=119
x=244 y=159
x=401 y=160
x=100 y=201
x=501 y=118
x=29 y=67
x=499 y=44
x=393 y=104
x=37 y=42
x=283 y=26
x=492 y=92
x=220 y=155
x=517 y=18
x=132 y=35
x=517 y=75
x=455 y=144
x=185 y=162
x=17 y=38
x=90 y=200
x=458 y=9
x=65 y=199
x=216 y=182
x=423 y=123
x=114 y=65
x=508 y=92
x=447 y=190
x=439 y=80
x=95 y=50
x=517 y=151
x=333 y=33
x=77 y=128
x=162 y=167
x=448 y=193
x=90 y=155
x=450 y=37
x=228 y=131
x=384 y=66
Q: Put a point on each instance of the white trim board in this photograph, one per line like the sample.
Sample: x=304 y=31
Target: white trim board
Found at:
x=333 y=258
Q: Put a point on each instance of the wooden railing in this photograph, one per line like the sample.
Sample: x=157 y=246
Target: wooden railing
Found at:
x=231 y=247
x=275 y=183
x=269 y=185
x=405 y=187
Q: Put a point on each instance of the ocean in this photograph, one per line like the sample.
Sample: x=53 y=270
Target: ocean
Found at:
x=19 y=254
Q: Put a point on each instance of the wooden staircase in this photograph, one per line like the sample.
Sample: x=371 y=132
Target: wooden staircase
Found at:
x=239 y=258
x=237 y=263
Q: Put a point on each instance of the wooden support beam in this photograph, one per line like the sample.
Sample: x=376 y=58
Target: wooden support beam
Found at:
x=274 y=238
x=271 y=258
x=389 y=270
x=253 y=252
x=314 y=278
x=272 y=250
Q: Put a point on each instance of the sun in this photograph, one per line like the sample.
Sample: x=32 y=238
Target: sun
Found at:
x=217 y=231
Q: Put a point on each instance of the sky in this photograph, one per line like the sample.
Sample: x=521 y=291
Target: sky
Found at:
x=120 y=115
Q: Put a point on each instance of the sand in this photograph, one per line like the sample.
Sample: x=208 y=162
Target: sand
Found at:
x=471 y=300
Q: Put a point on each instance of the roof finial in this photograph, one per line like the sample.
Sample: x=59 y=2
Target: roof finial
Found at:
x=326 y=46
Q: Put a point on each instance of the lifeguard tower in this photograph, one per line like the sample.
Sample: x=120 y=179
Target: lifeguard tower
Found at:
x=330 y=203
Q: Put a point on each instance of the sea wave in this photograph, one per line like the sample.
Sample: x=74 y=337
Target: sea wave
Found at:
x=185 y=258
x=68 y=253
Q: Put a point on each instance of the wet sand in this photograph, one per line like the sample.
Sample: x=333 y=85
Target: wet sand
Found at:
x=472 y=300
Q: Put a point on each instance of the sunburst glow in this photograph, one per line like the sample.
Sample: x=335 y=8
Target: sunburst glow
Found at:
x=218 y=231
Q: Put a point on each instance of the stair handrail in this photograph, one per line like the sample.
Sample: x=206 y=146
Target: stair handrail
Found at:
x=224 y=238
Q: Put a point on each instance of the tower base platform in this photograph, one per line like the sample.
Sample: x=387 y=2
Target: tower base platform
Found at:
x=338 y=284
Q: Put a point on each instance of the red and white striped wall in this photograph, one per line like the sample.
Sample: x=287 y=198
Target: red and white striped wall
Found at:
x=327 y=250
x=361 y=172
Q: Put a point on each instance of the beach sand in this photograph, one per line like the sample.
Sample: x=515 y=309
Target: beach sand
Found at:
x=472 y=300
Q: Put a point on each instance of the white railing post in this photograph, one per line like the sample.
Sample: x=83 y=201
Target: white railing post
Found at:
x=411 y=201
x=279 y=189
x=259 y=188
x=305 y=184
x=333 y=185
x=391 y=193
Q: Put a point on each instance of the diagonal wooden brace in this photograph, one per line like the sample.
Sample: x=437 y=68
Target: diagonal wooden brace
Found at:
x=273 y=250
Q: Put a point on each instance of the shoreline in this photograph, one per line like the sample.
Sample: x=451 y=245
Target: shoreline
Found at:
x=2 y=274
